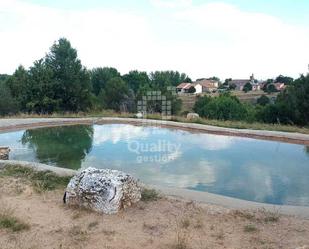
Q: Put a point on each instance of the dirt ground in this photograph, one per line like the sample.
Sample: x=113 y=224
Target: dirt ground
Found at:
x=166 y=223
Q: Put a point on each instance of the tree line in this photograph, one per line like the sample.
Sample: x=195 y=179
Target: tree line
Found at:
x=60 y=83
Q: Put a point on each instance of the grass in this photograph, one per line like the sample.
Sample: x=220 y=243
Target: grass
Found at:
x=10 y=222
x=250 y=228
x=78 y=234
x=41 y=181
x=260 y=215
x=150 y=195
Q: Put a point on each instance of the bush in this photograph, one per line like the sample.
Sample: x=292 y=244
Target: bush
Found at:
x=224 y=107
x=247 y=87
x=263 y=100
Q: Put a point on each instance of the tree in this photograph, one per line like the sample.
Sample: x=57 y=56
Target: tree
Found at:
x=232 y=86
x=100 y=76
x=271 y=88
x=247 y=87
x=115 y=93
x=192 y=89
x=8 y=105
x=263 y=100
x=160 y=80
x=18 y=85
x=71 y=81
x=284 y=79
x=294 y=101
x=137 y=80
x=40 y=95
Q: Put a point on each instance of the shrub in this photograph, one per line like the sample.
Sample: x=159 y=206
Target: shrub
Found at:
x=224 y=107
x=150 y=195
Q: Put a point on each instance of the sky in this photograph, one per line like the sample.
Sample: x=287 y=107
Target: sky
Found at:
x=202 y=38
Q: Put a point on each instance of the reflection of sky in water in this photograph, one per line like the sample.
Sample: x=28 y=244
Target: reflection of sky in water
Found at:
x=256 y=170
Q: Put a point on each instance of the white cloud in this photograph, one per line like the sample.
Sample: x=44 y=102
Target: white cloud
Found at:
x=117 y=133
x=205 y=40
x=171 y=3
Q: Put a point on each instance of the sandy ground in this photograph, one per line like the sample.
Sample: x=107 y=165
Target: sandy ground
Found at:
x=166 y=223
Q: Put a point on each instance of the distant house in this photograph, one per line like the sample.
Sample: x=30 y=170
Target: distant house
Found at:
x=208 y=85
x=200 y=86
x=184 y=88
x=239 y=84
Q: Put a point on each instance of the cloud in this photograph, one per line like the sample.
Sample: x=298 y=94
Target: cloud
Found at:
x=171 y=3
x=117 y=133
x=200 y=40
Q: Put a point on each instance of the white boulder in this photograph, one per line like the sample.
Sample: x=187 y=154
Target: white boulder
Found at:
x=139 y=115
x=102 y=190
x=192 y=115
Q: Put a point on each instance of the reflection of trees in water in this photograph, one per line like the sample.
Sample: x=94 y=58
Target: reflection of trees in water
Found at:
x=64 y=146
x=307 y=149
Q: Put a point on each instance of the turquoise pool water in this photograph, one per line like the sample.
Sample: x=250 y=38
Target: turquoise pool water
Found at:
x=249 y=169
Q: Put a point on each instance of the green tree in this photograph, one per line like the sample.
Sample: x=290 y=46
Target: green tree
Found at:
x=271 y=88
x=100 y=76
x=294 y=101
x=263 y=100
x=18 y=85
x=284 y=79
x=115 y=94
x=160 y=80
x=232 y=87
x=137 y=81
x=8 y=105
x=247 y=87
x=71 y=81
x=40 y=95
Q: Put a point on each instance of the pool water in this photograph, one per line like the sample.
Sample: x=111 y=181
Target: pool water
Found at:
x=249 y=169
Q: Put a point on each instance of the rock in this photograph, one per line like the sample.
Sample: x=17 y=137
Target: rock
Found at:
x=192 y=115
x=4 y=153
x=139 y=115
x=102 y=190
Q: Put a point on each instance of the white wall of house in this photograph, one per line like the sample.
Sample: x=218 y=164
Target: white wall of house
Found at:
x=198 y=88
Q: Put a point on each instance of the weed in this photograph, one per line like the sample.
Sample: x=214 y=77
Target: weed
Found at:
x=185 y=223
x=150 y=195
x=10 y=222
x=78 y=234
x=40 y=180
x=250 y=228
x=270 y=216
x=93 y=224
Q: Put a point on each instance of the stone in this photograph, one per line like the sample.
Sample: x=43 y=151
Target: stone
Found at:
x=139 y=115
x=192 y=115
x=4 y=153
x=102 y=190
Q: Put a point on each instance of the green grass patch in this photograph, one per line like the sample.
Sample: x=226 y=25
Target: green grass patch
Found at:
x=10 y=222
x=40 y=180
x=150 y=195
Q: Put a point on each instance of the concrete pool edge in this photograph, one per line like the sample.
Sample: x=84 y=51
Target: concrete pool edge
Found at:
x=8 y=125
x=185 y=194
